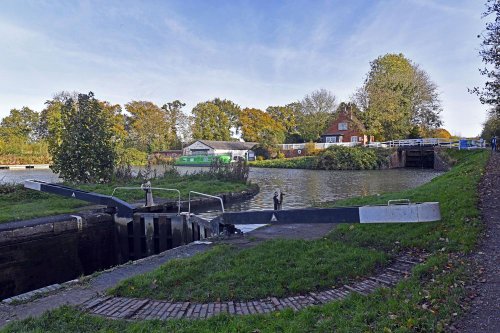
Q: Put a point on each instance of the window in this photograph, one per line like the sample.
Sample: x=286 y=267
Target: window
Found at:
x=331 y=139
x=342 y=126
x=354 y=139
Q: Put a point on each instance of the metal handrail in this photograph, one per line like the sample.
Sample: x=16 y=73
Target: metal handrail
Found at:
x=205 y=195
x=155 y=188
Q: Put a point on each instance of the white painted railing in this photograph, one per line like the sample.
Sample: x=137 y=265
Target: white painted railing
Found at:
x=449 y=143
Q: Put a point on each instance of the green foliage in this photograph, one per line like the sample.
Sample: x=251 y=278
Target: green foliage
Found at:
x=86 y=152
x=491 y=126
x=334 y=158
x=352 y=158
x=231 y=110
x=306 y=162
x=210 y=123
x=275 y=268
x=490 y=46
x=178 y=123
x=131 y=156
x=286 y=116
x=397 y=97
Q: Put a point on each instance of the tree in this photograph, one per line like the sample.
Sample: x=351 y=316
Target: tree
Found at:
x=398 y=99
x=149 y=127
x=22 y=124
x=209 y=123
x=231 y=110
x=491 y=127
x=286 y=116
x=316 y=112
x=490 y=46
x=86 y=152
x=259 y=126
x=178 y=121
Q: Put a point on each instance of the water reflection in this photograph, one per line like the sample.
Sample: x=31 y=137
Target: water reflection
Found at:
x=302 y=188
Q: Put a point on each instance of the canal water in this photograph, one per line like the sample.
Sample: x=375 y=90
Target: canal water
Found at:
x=302 y=188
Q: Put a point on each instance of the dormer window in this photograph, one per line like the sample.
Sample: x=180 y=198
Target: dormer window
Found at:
x=342 y=126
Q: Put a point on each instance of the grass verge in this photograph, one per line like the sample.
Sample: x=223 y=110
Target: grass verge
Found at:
x=425 y=302
x=275 y=268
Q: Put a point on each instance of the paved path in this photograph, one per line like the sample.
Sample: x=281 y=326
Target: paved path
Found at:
x=484 y=314
x=145 y=309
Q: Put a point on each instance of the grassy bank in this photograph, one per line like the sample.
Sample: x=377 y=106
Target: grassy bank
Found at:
x=277 y=268
x=333 y=158
x=423 y=303
x=18 y=203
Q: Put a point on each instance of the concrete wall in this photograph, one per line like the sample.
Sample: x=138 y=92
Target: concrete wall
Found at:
x=53 y=250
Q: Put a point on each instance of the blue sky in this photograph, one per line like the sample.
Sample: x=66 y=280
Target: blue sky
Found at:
x=256 y=53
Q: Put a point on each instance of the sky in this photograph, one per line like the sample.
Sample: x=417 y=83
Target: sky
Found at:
x=256 y=53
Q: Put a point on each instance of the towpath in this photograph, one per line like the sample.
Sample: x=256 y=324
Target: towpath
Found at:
x=484 y=312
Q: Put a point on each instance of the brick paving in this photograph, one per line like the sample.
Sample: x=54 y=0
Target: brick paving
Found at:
x=141 y=309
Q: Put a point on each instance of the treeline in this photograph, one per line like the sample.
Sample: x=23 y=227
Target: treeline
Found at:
x=397 y=100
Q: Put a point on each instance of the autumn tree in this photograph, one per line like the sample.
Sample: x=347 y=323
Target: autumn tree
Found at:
x=315 y=113
x=398 y=99
x=260 y=126
x=149 y=127
x=210 y=123
x=86 y=152
x=489 y=52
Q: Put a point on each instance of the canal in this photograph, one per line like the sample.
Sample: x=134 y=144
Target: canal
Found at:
x=302 y=188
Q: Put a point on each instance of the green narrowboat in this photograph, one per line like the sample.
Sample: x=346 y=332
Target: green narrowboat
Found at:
x=202 y=160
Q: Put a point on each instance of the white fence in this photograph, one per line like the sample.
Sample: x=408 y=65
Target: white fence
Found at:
x=448 y=143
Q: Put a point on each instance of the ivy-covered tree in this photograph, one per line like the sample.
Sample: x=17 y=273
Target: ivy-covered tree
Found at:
x=86 y=151
x=490 y=52
x=210 y=123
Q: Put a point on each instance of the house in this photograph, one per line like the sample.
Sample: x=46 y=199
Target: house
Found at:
x=235 y=149
x=346 y=128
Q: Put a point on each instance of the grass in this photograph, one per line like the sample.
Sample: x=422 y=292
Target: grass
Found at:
x=277 y=268
x=18 y=203
x=426 y=302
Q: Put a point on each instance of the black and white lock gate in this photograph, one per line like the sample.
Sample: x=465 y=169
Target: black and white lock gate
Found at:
x=140 y=230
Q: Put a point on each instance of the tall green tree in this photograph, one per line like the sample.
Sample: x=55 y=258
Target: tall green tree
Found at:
x=21 y=123
x=398 y=99
x=231 y=110
x=86 y=153
x=210 y=123
x=260 y=126
x=286 y=116
x=178 y=122
x=316 y=111
x=490 y=53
